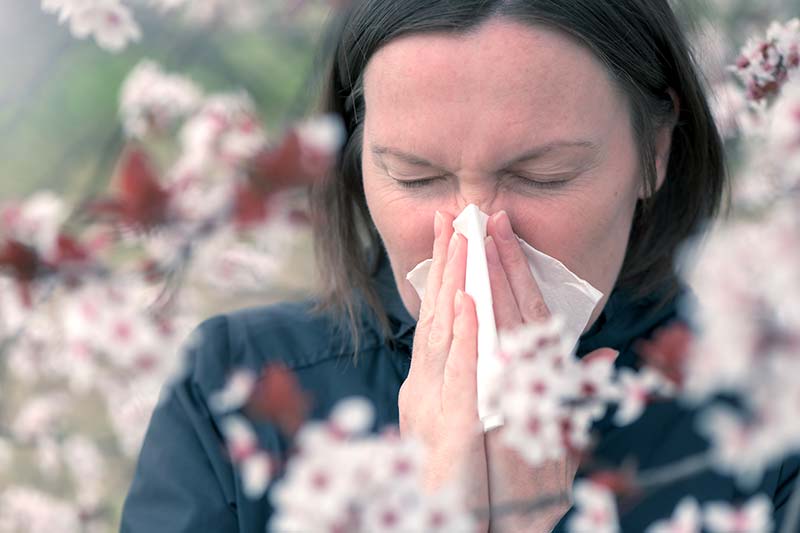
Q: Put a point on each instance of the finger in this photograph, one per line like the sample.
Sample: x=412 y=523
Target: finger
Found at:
x=441 y=331
x=443 y=229
x=459 y=383
x=530 y=302
x=600 y=354
x=506 y=312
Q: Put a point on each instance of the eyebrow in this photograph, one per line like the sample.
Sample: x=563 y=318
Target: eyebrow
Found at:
x=533 y=153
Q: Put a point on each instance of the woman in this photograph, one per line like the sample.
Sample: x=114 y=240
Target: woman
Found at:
x=579 y=126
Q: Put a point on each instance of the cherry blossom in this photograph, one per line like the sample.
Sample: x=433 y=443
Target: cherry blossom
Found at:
x=753 y=515
x=39 y=416
x=740 y=446
x=109 y=22
x=238 y=388
x=254 y=465
x=343 y=478
x=33 y=511
x=687 y=518
x=36 y=222
x=223 y=134
x=87 y=468
x=153 y=100
x=595 y=509
x=548 y=397
x=742 y=315
x=764 y=63
x=636 y=389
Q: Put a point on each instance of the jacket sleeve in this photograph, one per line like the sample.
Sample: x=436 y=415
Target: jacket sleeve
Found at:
x=786 y=489
x=183 y=480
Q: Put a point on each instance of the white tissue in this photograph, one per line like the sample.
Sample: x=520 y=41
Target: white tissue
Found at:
x=564 y=293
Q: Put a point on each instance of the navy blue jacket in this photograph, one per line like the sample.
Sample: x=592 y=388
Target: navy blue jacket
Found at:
x=185 y=483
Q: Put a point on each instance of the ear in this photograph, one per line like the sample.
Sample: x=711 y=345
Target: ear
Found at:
x=664 y=143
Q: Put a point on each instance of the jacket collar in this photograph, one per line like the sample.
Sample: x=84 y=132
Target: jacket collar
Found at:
x=624 y=317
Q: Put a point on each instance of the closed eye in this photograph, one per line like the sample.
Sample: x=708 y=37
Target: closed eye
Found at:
x=540 y=184
x=526 y=181
x=416 y=184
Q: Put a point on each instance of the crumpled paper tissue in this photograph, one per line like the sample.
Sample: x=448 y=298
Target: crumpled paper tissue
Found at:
x=564 y=293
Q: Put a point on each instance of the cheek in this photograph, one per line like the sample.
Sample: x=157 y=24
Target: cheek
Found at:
x=587 y=231
x=405 y=225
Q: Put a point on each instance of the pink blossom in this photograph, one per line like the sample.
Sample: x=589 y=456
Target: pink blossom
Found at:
x=763 y=64
x=108 y=21
x=753 y=515
x=33 y=511
x=253 y=463
x=343 y=479
x=35 y=222
x=686 y=518
x=595 y=509
x=238 y=388
x=153 y=100
x=223 y=134
x=635 y=391
x=548 y=398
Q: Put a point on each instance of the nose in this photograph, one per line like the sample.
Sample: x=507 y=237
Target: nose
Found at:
x=483 y=195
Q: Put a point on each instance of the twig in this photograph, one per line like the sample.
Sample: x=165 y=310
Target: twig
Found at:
x=683 y=468
x=646 y=480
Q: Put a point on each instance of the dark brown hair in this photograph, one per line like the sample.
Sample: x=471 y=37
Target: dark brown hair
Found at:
x=644 y=49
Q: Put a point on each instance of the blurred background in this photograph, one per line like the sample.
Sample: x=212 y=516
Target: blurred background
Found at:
x=68 y=444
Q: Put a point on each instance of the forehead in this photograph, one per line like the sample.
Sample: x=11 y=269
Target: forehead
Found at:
x=505 y=83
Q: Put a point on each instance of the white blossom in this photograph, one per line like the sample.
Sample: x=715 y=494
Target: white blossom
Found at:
x=345 y=479
x=151 y=99
x=39 y=416
x=753 y=515
x=109 y=22
x=87 y=467
x=30 y=510
x=635 y=390
x=686 y=518
x=238 y=388
x=36 y=222
x=224 y=132
x=595 y=509
x=253 y=463
x=547 y=396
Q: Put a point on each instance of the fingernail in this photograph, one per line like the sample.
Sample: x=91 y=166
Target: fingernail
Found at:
x=459 y=301
x=491 y=251
x=503 y=225
x=451 y=248
x=437 y=224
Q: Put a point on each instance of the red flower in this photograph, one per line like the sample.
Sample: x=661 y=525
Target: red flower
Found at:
x=621 y=482
x=141 y=201
x=23 y=263
x=291 y=163
x=667 y=351
x=250 y=206
x=277 y=397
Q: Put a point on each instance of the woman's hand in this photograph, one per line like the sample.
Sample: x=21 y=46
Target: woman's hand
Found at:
x=518 y=300
x=438 y=400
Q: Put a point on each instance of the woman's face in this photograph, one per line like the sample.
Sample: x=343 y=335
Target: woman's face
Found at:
x=509 y=117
